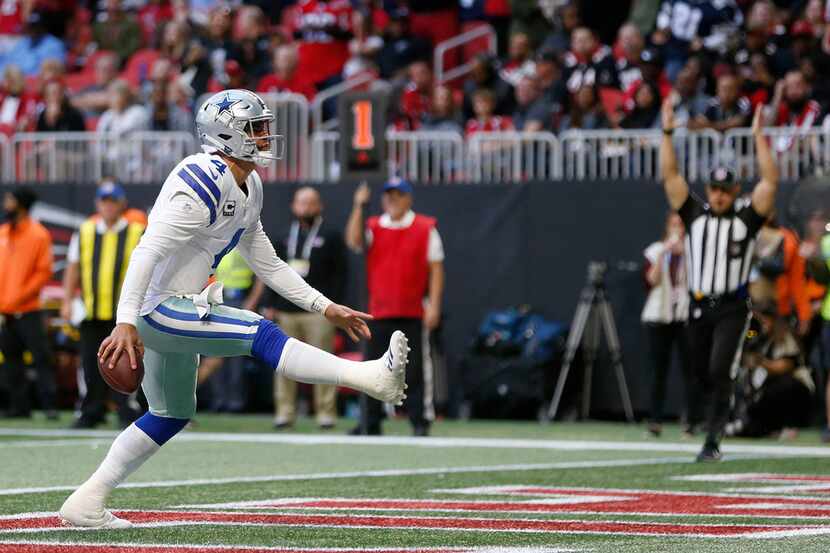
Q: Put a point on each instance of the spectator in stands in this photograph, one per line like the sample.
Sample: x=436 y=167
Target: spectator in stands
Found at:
x=689 y=100
x=188 y=56
x=585 y=112
x=57 y=114
x=758 y=80
x=18 y=106
x=218 y=40
x=792 y=104
x=630 y=45
x=443 y=114
x=704 y=27
x=285 y=77
x=484 y=105
x=589 y=62
x=26 y=258
x=528 y=19
x=483 y=74
x=549 y=75
x=165 y=114
x=122 y=119
x=94 y=99
x=34 y=47
x=532 y=113
x=151 y=17
x=664 y=315
x=758 y=40
x=784 y=399
x=646 y=111
x=324 y=28
x=50 y=70
x=519 y=60
x=566 y=21
x=416 y=97
x=365 y=43
x=727 y=110
x=400 y=46
x=11 y=24
x=117 y=31
x=251 y=47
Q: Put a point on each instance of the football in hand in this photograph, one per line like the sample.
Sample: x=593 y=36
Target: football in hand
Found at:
x=121 y=377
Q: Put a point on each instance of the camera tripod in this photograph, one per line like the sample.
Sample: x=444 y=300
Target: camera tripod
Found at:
x=593 y=316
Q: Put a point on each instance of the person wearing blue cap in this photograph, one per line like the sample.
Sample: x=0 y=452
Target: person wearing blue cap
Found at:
x=405 y=276
x=97 y=261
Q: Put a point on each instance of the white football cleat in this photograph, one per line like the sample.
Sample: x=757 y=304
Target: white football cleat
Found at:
x=85 y=509
x=389 y=385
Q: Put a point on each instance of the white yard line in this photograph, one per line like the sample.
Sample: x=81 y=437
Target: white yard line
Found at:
x=455 y=443
x=460 y=549
x=367 y=474
x=51 y=443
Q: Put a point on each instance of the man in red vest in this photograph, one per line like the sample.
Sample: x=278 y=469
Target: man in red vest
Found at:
x=405 y=275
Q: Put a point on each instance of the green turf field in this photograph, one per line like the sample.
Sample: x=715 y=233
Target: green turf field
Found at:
x=232 y=481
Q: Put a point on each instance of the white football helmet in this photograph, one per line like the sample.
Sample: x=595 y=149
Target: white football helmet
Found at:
x=238 y=123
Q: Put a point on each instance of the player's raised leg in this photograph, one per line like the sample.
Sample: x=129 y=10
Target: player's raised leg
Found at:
x=175 y=326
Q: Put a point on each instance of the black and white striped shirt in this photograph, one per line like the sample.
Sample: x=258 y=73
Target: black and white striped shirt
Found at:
x=719 y=247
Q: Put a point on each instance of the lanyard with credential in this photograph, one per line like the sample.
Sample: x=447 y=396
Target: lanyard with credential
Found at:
x=301 y=264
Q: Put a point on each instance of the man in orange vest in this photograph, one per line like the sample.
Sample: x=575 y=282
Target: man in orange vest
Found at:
x=405 y=274
x=26 y=261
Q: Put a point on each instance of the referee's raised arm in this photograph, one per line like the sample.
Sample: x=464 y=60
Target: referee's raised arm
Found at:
x=677 y=190
x=763 y=196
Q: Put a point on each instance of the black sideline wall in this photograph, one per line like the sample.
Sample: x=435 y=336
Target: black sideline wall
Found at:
x=505 y=245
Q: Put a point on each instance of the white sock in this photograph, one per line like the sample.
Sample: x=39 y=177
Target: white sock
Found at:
x=128 y=452
x=305 y=363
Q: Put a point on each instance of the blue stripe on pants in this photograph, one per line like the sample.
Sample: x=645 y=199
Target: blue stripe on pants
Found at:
x=195 y=333
x=211 y=318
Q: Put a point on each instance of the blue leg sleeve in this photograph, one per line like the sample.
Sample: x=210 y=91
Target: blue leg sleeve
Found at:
x=269 y=342
x=160 y=429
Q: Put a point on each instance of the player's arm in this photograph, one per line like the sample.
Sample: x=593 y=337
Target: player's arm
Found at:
x=172 y=228
x=763 y=196
x=677 y=190
x=258 y=251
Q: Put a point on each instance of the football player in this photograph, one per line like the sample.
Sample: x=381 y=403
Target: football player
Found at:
x=210 y=204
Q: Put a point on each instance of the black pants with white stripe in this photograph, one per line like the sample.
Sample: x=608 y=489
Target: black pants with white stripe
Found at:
x=716 y=336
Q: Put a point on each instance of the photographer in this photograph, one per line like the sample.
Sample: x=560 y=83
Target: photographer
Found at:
x=780 y=386
x=664 y=316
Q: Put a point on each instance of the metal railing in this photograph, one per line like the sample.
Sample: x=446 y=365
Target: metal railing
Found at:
x=422 y=156
x=140 y=157
x=513 y=157
x=615 y=154
x=798 y=153
x=325 y=156
x=443 y=75
x=426 y=156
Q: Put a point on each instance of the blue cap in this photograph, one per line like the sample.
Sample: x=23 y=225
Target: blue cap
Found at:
x=397 y=183
x=110 y=190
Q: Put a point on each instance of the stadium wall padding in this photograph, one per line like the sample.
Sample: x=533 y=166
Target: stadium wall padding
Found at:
x=505 y=245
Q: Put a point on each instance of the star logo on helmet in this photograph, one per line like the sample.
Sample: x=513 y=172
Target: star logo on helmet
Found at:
x=225 y=104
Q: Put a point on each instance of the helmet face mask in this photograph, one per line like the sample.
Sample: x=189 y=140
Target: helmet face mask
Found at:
x=238 y=124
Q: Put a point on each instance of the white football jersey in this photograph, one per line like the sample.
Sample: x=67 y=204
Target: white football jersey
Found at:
x=200 y=215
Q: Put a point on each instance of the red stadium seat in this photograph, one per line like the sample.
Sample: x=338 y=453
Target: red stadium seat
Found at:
x=139 y=65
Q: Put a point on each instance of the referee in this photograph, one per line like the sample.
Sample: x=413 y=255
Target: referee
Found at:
x=720 y=238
